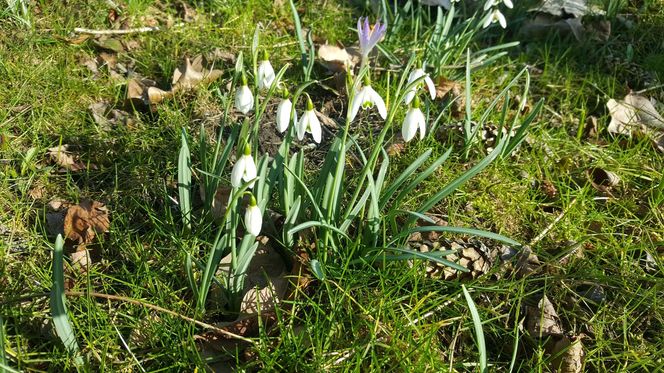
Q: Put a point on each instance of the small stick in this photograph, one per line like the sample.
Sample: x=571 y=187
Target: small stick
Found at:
x=82 y=30
x=550 y=226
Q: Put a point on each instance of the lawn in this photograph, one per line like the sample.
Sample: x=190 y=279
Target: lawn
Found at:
x=522 y=230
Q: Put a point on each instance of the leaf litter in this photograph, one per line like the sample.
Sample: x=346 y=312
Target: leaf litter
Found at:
x=636 y=114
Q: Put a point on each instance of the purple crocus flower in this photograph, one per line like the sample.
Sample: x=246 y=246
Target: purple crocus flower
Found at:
x=369 y=35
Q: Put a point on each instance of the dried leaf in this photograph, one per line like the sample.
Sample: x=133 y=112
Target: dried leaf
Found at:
x=602 y=179
x=110 y=44
x=219 y=202
x=107 y=117
x=527 y=262
x=634 y=112
x=65 y=159
x=544 y=24
x=192 y=73
x=336 y=59
x=85 y=220
x=568 y=355
x=80 y=259
x=543 y=321
x=563 y=8
x=447 y=89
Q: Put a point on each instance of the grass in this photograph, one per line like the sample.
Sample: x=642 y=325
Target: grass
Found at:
x=383 y=318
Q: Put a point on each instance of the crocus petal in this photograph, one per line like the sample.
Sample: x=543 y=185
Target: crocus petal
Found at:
x=409 y=127
x=265 y=75
x=238 y=172
x=358 y=100
x=375 y=98
x=431 y=86
x=244 y=99
x=314 y=126
x=253 y=220
x=283 y=114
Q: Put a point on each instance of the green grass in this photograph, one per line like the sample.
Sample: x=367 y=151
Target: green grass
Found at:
x=380 y=318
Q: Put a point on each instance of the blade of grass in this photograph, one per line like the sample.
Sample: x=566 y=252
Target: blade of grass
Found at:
x=479 y=331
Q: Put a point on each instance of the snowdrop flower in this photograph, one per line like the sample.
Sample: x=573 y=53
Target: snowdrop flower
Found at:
x=369 y=35
x=244 y=99
x=253 y=217
x=265 y=73
x=492 y=3
x=283 y=114
x=414 y=120
x=309 y=123
x=495 y=16
x=366 y=98
x=244 y=169
x=417 y=74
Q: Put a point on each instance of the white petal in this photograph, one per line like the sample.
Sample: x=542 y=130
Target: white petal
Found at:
x=253 y=219
x=314 y=126
x=487 y=21
x=488 y=4
x=358 y=100
x=238 y=172
x=283 y=114
x=409 y=127
x=410 y=95
x=378 y=101
x=421 y=121
x=249 y=169
x=244 y=99
x=431 y=86
x=508 y=3
x=501 y=18
x=301 y=126
x=265 y=75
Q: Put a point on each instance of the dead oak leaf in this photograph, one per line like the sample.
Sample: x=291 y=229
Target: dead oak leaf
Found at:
x=61 y=156
x=568 y=355
x=543 y=321
x=85 y=220
x=192 y=73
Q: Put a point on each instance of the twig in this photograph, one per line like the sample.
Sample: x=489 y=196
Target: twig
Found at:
x=550 y=226
x=82 y=30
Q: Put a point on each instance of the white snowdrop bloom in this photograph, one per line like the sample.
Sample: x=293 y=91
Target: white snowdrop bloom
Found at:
x=244 y=99
x=244 y=169
x=265 y=74
x=417 y=74
x=253 y=218
x=309 y=123
x=508 y=3
x=366 y=98
x=495 y=16
x=414 y=120
x=283 y=114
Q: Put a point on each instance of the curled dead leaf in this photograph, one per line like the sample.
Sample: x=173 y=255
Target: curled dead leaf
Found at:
x=527 y=262
x=568 y=355
x=192 y=73
x=338 y=59
x=61 y=156
x=634 y=112
x=86 y=220
x=602 y=179
x=543 y=321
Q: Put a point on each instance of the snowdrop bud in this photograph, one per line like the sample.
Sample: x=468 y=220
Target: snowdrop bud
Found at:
x=253 y=217
x=283 y=114
x=244 y=99
x=266 y=74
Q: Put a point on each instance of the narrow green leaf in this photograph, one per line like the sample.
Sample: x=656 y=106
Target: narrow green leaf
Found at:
x=460 y=230
x=310 y=224
x=479 y=331
x=184 y=181
x=394 y=186
x=408 y=254
x=317 y=269
x=421 y=177
x=61 y=322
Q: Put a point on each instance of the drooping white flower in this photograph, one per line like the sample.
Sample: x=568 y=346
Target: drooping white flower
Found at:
x=309 y=123
x=495 y=16
x=265 y=73
x=283 y=114
x=417 y=74
x=491 y=3
x=366 y=98
x=244 y=169
x=414 y=120
x=244 y=99
x=253 y=217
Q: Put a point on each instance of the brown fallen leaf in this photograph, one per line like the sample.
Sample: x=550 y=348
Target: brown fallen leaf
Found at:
x=61 y=156
x=107 y=117
x=220 y=201
x=568 y=355
x=337 y=59
x=145 y=92
x=192 y=73
x=527 y=262
x=86 y=220
x=447 y=89
x=602 y=179
x=638 y=114
x=543 y=321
